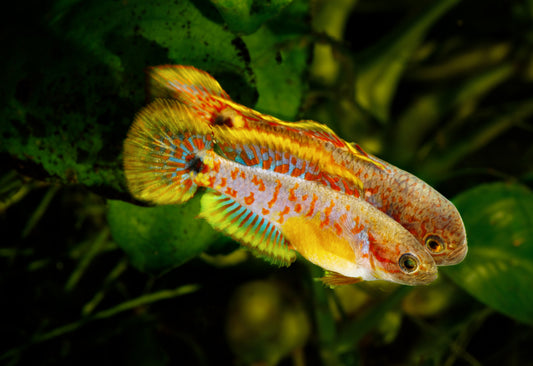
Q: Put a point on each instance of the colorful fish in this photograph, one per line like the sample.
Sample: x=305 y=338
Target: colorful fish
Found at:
x=168 y=155
x=240 y=130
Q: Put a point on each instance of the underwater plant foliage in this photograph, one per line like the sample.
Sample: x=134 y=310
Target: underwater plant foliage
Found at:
x=440 y=89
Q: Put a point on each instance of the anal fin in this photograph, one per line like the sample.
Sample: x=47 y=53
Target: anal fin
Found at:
x=247 y=227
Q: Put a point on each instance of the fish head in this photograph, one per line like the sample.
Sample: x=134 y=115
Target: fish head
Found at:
x=398 y=257
x=430 y=217
x=444 y=237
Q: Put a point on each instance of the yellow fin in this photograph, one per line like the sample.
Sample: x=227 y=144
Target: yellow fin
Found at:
x=363 y=155
x=182 y=83
x=333 y=279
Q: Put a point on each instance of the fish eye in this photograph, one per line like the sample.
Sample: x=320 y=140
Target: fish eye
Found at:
x=408 y=263
x=435 y=244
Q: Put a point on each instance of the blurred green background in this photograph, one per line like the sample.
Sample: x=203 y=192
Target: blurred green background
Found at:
x=443 y=89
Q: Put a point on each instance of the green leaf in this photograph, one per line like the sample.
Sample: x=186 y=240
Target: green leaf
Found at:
x=246 y=16
x=160 y=238
x=498 y=269
x=279 y=60
x=381 y=67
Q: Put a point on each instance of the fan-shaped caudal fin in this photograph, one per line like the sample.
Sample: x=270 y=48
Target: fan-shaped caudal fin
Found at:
x=160 y=153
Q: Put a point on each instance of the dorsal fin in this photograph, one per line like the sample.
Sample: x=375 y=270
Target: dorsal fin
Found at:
x=247 y=227
x=316 y=130
x=362 y=154
x=168 y=81
x=190 y=86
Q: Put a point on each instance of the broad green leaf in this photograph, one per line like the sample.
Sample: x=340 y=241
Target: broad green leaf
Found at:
x=381 y=67
x=246 y=16
x=498 y=269
x=160 y=238
x=279 y=59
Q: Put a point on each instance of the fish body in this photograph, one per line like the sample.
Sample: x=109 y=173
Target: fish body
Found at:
x=168 y=155
x=344 y=167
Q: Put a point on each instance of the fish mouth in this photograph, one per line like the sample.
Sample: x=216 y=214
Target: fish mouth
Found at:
x=425 y=276
x=454 y=256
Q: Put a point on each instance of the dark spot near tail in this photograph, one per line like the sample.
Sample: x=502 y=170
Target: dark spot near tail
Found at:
x=221 y=120
x=196 y=164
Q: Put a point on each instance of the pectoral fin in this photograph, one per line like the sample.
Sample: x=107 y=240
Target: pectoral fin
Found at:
x=333 y=279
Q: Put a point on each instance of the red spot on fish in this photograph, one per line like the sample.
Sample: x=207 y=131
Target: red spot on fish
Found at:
x=234 y=173
x=327 y=213
x=338 y=229
x=243 y=176
x=285 y=211
x=312 y=208
x=297 y=208
x=223 y=182
x=304 y=197
x=275 y=195
x=250 y=199
x=292 y=196
x=258 y=182
x=231 y=192
x=265 y=211
x=216 y=166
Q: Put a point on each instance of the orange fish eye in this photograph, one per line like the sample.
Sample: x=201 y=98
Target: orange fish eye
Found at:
x=435 y=244
x=408 y=263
